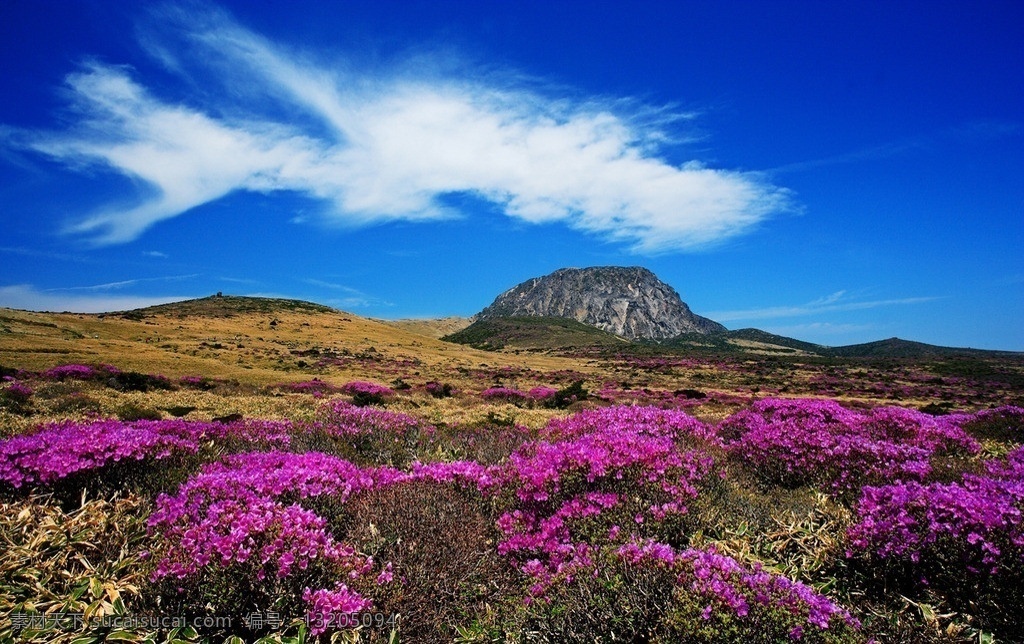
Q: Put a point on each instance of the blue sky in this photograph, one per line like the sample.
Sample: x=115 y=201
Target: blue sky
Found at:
x=837 y=172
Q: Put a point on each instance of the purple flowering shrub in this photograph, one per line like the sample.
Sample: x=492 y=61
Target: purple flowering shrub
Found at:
x=720 y=600
x=366 y=393
x=16 y=396
x=819 y=442
x=256 y=531
x=965 y=538
x=643 y=590
x=673 y=424
x=438 y=390
x=368 y=434
x=314 y=386
x=235 y=539
x=597 y=471
x=71 y=372
x=504 y=394
x=542 y=394
x=1005 y=424
x=112 y=453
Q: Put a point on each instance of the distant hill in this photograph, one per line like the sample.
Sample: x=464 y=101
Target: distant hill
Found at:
x=745 y=341
x=227 y=306
x=898 y=348
x=526 y=332
x=627 y=301
x=541 y=332
x=431 y=327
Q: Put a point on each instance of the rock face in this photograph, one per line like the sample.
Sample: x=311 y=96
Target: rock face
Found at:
x=627 y=301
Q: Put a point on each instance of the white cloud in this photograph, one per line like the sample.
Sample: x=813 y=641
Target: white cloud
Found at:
x=354 y=298
x=27 y=298
x=819 y=329
x=108 y=286
x=838 y=301
x=384 y=146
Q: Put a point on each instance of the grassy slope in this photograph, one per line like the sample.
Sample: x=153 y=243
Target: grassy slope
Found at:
x=249 y=339
x=260 y=342
x=534 y=333
x=431 y=327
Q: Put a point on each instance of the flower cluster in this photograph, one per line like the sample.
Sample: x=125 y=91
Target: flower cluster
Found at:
x=197 y=382
x=332 y=607
x=70 y=372
x=314 y=386
x=15 y=395
x=542 y=393
x=980 y=518
x=807 y=441
x=59 y=450
x=437 y=389
x=620 y=459
x=724 y=582
x=235 y=512
x=366 y=393
x=672 y=424
x=18 y=390
x=341 y=418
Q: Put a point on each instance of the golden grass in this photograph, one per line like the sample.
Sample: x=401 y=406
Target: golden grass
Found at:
x=255 y=348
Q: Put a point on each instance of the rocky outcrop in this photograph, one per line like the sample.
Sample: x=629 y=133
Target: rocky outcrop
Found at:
x=627 y=301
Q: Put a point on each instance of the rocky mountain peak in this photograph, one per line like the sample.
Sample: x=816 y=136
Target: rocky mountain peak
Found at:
x=627 y=301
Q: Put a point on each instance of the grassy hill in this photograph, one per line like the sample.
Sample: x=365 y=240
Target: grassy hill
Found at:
x=257 y=340
x=533 y=333
x=260 y=341
x=431 y=327
x=228 y=306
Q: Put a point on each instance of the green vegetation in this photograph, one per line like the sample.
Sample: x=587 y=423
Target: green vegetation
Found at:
x=533 y=333
x=226 y=306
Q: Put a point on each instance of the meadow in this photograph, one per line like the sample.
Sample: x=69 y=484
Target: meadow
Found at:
x=278 y=472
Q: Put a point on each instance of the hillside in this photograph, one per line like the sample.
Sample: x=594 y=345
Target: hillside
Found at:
x=228 y=305
x=257 y=340
x=431 y=327
x=264 y=342
x=523 y=332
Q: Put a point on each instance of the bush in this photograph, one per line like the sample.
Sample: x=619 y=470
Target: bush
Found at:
x=568 y=395
x=16 y=397
x=368 y=435
x=819 y=442
x=964 y=539
x=135 y=381
x=366 y=393
x=438 y=390
x=504 y=394
x=437 y=539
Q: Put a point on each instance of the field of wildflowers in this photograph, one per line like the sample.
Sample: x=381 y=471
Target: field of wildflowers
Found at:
x=508 y=504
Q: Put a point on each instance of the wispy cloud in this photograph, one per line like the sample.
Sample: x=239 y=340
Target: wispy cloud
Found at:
x=388 y=145
x=331 y=285
x=838 y=301
x=968 y=133
x=819 y=329
x=109 y=286
x=354 y=298
x=27 y=297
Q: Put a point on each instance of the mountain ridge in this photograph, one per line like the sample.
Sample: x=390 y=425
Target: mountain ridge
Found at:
x=534 y=334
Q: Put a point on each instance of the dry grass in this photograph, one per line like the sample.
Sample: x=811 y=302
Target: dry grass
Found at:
x=86 y=561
